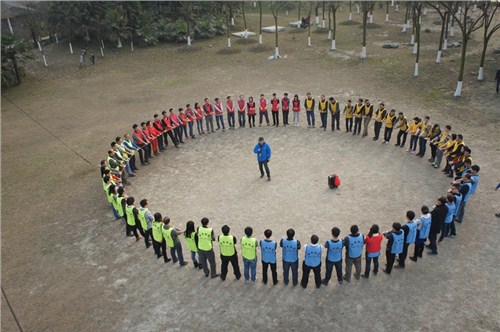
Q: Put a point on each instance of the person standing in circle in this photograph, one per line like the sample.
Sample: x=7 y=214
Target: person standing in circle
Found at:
x=263 y=152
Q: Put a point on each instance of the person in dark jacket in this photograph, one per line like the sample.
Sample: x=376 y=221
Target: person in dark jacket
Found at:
x=438 y=217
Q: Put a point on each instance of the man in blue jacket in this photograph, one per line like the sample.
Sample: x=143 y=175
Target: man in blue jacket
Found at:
x=263 y=152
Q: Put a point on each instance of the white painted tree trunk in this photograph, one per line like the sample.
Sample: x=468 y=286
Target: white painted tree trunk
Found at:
x=119 y=43
x=329 y=34
x=458 y=90
x=350 y=16
x=415 y=72
x=323 y=24
x=10 y=26
x=276 y=52
x=425 y=11
x=131 y=45
x=408 y=24
x=286 y=12
x=480 y=74
x=392 y=3
x=386 y=17
x=70 y=48
x=404 y=28
x=245 y=35
x=452 y=32
x=39 y=46
x=415 y=46
x=260 y=38
x=445 y=44
x=412 y=40
x=438 y=57
x=357 y=9
x=420 y=20
x=397 y=8
x=309 y=41
x=229 y=42
x=333 y=45
x=363 y=53
x=371 y=18
x=232 y=21
x=45 y=60
x=102 y=52
x=57 y=39
x=254 y=4
x=102 y=43
x=316 y=19
x=189 y=41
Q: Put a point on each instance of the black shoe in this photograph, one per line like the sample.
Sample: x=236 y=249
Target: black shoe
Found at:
x=175 y=261
x=364 y=276
x=324 y=282
x=131 y=175
x=399 y=266
x=183 y=264
x=268 y=178
x=195 y=265
x=413 y=258
x=168 y=260
x=432 y=253
x=385 y=271
x=215 y=276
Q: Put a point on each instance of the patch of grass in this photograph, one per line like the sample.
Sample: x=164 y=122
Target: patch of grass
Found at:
x=245 y=41
x=228 y=51
x=349 y=23
x=188 y=49
x=260 y=48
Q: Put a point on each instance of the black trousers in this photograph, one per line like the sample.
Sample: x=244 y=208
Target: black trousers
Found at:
x=143 y=153
x=433 y=151
x=225 y=263
x=387 y=134
x=276 y=118
x=285 y=117
x=251 y=120
x=274 y=274
x=403 y=255
x=348 y=124
x=160 y=249
x=172 y=137
x=402 y=134
x=305 y=275
x=377 y=127
x=261 y=115
x=390 y=258
x=178 y=134
x=335 y=120
x=131 y=229
x=357 y=125
x=262 y=166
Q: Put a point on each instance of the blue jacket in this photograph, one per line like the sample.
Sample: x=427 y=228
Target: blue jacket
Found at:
x=263 y=152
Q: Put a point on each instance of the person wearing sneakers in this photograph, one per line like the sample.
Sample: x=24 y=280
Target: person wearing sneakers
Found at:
x=334 y=256
x=285 y=108
x=263 y=110
x=445 y=232
x=171 y=236
x=242 y=108
x=159 y=243
x=312 y=261
x=146 y=221
x=423 y=229
x=395 y=243
x=268 y=252
x=205 y=248
x=402 y=124
x=354 y=249
x=440 y=142
x=380 y=114
x=438 y=217
x=367 y=116
x=410 y=231
x=309 y=103
x=413 y=131
x=219 y=114
x=290 y=257
x=349 y=113
x=389 y=120
x=249 y=252
x=133 y=218
x=192 y=243
x=228 y=253
x=296 y=110
x=230 y=109
x=373 y=247
x=263 y=152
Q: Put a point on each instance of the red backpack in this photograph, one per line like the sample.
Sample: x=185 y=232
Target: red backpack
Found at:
x=333 y=181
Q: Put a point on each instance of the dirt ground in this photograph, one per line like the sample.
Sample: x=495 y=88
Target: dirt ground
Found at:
x=66 y=265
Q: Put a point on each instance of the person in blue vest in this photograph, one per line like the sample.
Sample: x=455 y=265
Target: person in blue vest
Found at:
x=268 y=252
x=290 y=257
x=465 y=190
x=354 y=249
x=312 y=261
x=334 y=248
x=474 y=178
x=410 y=231
x=263 y=152
x=445 y=232
x=395 y=244
x=228 y=253
x=423 y=228
x=455 y=190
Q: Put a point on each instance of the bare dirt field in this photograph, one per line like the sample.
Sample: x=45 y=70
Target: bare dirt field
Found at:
x=66 y=265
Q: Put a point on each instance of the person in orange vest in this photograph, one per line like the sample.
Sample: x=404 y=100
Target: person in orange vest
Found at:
x=242 y=108
x=263 y=110
x=159 y=130
x=156 y=136
x=275 y=108
x=190 y=118
x=207 y=108
x=184 y=121
x=151 y=140
x=285 y=108
x=230 y=112
x=219 y=114
x=167 y=127
x=251 y=112
x=142 y=143
x=198 y=112
x=176 y=125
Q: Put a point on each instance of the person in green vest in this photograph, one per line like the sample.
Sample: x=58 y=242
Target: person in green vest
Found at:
x=192 y=243
x=122 y=203
x=146 y=219
x=171 y=236
x=111 y=192
x=228 y=253
x=205 y=248
x=249 y=253
x=159 y=244
x=132 y=218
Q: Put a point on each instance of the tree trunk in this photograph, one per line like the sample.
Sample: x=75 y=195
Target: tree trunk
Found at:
x=244 y=18
x=260 y=23
x=441 y=38
x=458 y=90
x=445 y=41
x=16 y=68
x=363 y=50
x=329 y=22
x=480 y=75
x=298 y=11
x=323 y=16
x=350 y=10
x=188 y=29
x=334 y=35
x=276 y=52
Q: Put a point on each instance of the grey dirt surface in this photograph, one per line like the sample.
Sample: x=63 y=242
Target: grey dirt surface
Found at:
x=67 y=265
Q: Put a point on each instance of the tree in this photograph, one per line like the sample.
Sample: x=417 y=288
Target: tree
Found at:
x=309 y=27
x=116 y=21
x=260 y=22
x=443 y=14
x=467 y=24
x=387 y=12
x=334 y=7
x=275 y=8
x=350 y=11
x=489 y=9
x=366 y=6
x=15 y=51
x=186 y=11
x=323 y=15
x=417 y=13
x=244 y=19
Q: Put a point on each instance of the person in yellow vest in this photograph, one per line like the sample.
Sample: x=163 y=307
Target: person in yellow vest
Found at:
x=424 y=134
x=205 y=248
x=390 y=119
x=309 y=106
x=434 y=136
x=132 y=218
x=323 y=111
x=171 y=236
x=249 y=253
x=192 y=243
x=367 y=116
x=380 y=114
x=349 y=113
x=121 y=199
x=413 y=131
x=146 y=219
x=228 y=253
x=335 y=112
x=110 y=190
x=116 y=167
x=159 y=244
x=439 y=142
x=452 y=153
x=358 y=116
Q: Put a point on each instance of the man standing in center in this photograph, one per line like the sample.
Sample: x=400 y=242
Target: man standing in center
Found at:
x=335 y=111
x=309 y=106
x=367 y=115
x=285 y=108
x=205 y=248
x=275 y=108
x=263 y=110
x=323 y=111
x=263 y=152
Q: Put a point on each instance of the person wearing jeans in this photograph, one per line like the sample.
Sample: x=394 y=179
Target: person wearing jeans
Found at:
x=263 y=110
x=242 y=108
x=219 y=114
x=296 y=110
x=309 y=106
x=334 y=256
x=249 y=252
x=354 y=249
x=230 y=112
x=263 y=152
x=290 y=257
x=373 y=247
x=171 y=236
x=268 y=253
x=209 y=119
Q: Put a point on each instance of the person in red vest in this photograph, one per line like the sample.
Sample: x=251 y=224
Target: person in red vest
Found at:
x=209 y=116
x=159 y=129
x=275 y=108
x=198 y=112
x=151 y=139
x=296 y=110
x=190 y=118
x=230 y=112
x=219 y=114
x=184 y=121
x=251 y=112
x=242 y=107
x=155 y=134
x=167 y=129
x=285 y=108
x=176 y=125
x=263 y=110
x=142 y=143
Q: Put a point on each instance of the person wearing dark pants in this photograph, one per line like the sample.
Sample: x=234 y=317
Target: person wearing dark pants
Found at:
x=424 y=134
x=312 y=261
x=389 y=120
x=334 y=256
x=132 y=218
x=423 y=228
x=251 y=112
x=159 y=244
x=354 y=249
x=219 y=115
x=142 y=143
x=159 y=129
x=465 y=190
x=146 y=221
x=402 y=124
x=323 y=111
x=176 y=124
x=268 y=255
x=285 y=108
x=228 y=253
x=205 y=248
x=395 y=245
x=349 y=114
x=334 y=108
x=445 y=232
x=309 y=106
x=358 y=117
x=367 y=116
x=171 y=236
x=230 y=109
x=263 y=152
x=263 y=110
x=290 y=257
x=438 y=216
x=209 y=116
x=373 y=247
x=497 y=78
x=410 y=234
x=168 y=130
x=380 y=114
x=242 y=108
x=275 y=109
